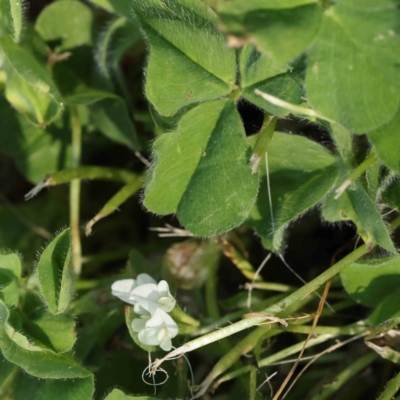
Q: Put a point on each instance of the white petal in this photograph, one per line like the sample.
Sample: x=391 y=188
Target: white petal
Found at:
x=166 y=303
x=122 y=289
x=142 y=279
x=163 y=289
x=166 y=344
x=157 y=320
x=147 y=296
x=137 y=309
x=149 y=337
x=138 y=324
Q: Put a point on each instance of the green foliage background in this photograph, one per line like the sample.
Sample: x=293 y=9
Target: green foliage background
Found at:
x=256 y=127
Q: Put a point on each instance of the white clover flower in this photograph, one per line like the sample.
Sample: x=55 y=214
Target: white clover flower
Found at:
x=123 y=288
x=151 y=296
x=159 y=330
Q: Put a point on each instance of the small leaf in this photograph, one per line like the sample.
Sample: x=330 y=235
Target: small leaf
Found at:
x=296 y=184
x=68 y=21
x=257 y=71
x=387 y=310
x=10 y=273
x=54 y=332
x=121 y=7
x=353 y=66
x=27 y=387
x=129 y=317
x=370 y=282
x=391 y=193
x=280 y=29
x=119 y=36
x=355 y=205
x=27 y=75
x=202 y=171
x=17 y=17
x=117 y=394
x=189 y=61
x=112 y=118
x=387 y=143
x=54 y=273
x=5 y=18
x=88 y=97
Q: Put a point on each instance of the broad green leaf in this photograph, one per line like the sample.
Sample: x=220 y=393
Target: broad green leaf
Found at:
x=371 y=5
x=355 y=205
x=68 y=21
x=189 y=61
x=202 y=171
x=370 y=282
x=129 y=317
x=297 y=183
x=122 y=7
x=54 y=273
x=117 y=394
x=279 y=29
x=54 y=332
x=353 y=76
x=112 y=118
x=28 y=388
x=36 y=151
x=44 y=365
x=257 y=71
x=30 y=77
x=387 y=310
x=386 y=140
x=10 y=273
x=17 y=17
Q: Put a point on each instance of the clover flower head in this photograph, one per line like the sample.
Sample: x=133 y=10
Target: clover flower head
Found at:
x=151 y=296
x=159 y=330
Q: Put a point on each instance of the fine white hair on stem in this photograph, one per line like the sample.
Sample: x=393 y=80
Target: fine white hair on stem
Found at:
x=258 y=271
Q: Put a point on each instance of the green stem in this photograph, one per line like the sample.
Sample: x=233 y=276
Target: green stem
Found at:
x=357 y=172
x=345 y=375
x=391 y=389
x=274 y=309
x=74 y=193
x=253 y=383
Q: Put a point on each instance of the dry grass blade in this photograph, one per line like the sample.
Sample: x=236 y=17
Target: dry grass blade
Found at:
x=315 y=321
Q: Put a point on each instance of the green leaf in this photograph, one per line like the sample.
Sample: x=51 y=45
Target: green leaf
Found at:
x=8 y=372
x=280 y=29
x=370 y=282
x=387 y=310
x=36 y=151
x=258 y=71
x=117 y=394
x=391 y=193
x=189 y=61
x=386 y=140
x=68 y=21
x=122 y=7
x=112 y=118
x=344 y=143
x=54 y=273
x=119 y=36
x=297 y=184
x=10 y=273
x=88 y=97
x=202 y=171
x=355 y=205
x=371 y=5
x=17 y=17
x=353 y=75
x=29 y=388
x=28 y=75
x=54 y=332
x=5 y=17
x=129 y=317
